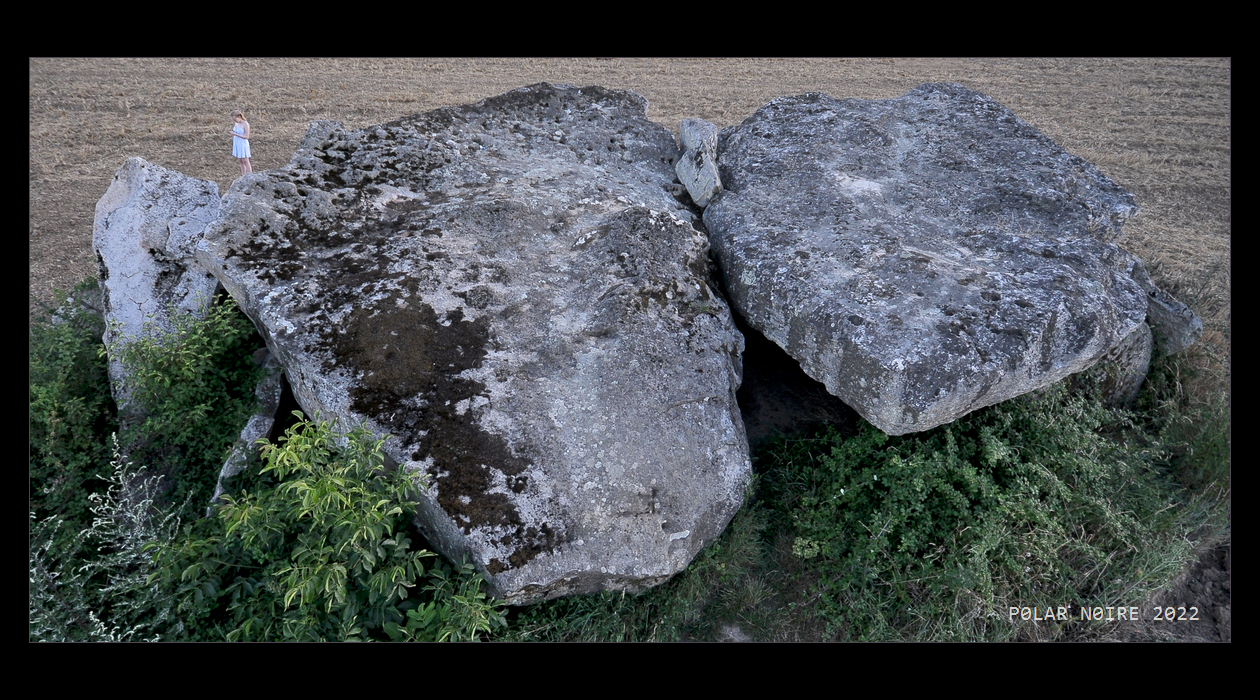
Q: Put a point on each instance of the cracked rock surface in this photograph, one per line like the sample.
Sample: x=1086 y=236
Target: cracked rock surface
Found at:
x=147 y=227
x=514 y=292
x=697 y=164
x=923 y=256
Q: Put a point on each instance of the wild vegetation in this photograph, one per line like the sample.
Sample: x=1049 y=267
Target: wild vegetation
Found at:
x=315 y=543
x=1050 y=499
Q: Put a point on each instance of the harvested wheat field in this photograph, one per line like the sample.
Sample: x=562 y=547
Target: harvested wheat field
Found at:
x=1158 y=127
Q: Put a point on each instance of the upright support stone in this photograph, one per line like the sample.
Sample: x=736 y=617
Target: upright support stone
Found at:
x=1174 y=325
x=258 y=427
x=147 y=228
x=697 y=166
x=1120 y=373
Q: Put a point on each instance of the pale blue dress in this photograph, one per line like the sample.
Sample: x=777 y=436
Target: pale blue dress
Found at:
x=240 y=146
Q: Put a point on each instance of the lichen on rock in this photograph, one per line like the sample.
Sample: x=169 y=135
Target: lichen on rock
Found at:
x=513 y=292
x=923 y=256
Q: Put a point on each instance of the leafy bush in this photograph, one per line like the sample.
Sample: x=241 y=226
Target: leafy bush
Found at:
x=457 y=611
x=194 y=388
x=95 y=585
x=70 y=411
x=324 y=555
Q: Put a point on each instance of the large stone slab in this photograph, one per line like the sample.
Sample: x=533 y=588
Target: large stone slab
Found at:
x=922 y=256
x=511 y=290
x=147 y=227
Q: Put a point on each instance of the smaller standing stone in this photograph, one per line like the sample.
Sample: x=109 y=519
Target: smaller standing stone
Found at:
x=146 y=231
x=698 y=134
x=697 y=168
x=1173 y=324
x=1122 y=371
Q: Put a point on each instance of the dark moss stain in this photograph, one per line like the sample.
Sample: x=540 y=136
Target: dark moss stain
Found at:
x=411 y=364
x=478 y=297
x=529 y=543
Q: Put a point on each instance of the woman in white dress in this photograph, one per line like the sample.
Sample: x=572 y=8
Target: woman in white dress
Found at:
x=240 y=142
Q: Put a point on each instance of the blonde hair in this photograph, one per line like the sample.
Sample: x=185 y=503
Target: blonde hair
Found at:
x=238 y=113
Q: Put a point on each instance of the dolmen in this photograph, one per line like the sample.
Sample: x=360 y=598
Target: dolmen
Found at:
x=518 y=294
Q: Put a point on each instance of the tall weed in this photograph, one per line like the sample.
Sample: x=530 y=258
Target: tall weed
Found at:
x=95 y=584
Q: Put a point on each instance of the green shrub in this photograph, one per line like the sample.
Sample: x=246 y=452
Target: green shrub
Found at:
x=457 y=609
x=1049 y=499
x=324 y=555
x=1196 y=426
x=70 y=412
x=193 y=386
x=95 y=585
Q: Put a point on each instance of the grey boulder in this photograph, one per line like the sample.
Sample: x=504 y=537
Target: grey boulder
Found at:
x=145 y=234
x=923 y=256
x=1175 y=327
x=697 y=165
x=512 y=292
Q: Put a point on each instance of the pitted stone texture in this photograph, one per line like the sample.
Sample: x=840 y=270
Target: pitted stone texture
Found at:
x=922 y=256
x=511 y=290
x=147 y=228
x=697 y=166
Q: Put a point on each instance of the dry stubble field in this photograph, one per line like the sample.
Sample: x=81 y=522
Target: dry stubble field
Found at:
x=1159 y=127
